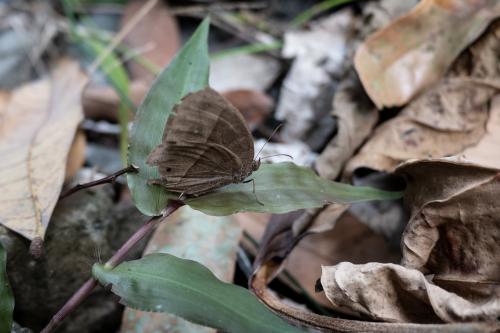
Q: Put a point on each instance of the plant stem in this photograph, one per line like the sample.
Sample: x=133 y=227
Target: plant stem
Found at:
x=85 y=290
x=105 y=180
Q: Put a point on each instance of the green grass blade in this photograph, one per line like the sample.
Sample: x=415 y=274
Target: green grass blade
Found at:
x=6 y=298
x=165 y=283
x=247 y=49
x=323 y=6
x=188 y=72
x=117 y=76
x=284 y=187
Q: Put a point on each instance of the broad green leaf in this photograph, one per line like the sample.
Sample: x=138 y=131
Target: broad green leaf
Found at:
x=188 y=72
x=210 y=240
x=283 y=187
x=165 y=283
x=6 y=298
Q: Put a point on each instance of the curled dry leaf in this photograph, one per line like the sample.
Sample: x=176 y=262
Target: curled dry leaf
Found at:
x=394 y=293
x=401 y=60
x=356 y=118
x=454 y=231
x=335 y=324
x=156 y=39
x=444 y=121
x=453 y=235
x=39 y=121
x=486 y=152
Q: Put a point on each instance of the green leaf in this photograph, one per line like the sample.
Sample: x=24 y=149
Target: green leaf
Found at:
x=165 y=283
x=283 y=187
x=188 y=72
x=118 y=78
x=210 y=240
x=318 y=8
x=6 y=298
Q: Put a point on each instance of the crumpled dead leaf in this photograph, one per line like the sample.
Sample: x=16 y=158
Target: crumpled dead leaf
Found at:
x=156 y=38
x=393 y=293
x=452 y=236
x=454 y=230
x=486 y=152
x=356 y=119
x=337 y=324
x=39 y=121
x=446 y=120
x=401 y=60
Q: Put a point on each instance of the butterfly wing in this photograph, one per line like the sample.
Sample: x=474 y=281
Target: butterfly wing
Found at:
x=205 y=144
x=206 y=116
x=194 y=168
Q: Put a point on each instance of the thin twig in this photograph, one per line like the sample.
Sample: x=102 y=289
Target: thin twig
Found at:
x=85 y=290
x=106 y=180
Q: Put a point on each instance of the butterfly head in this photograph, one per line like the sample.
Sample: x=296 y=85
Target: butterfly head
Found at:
x=255 y=165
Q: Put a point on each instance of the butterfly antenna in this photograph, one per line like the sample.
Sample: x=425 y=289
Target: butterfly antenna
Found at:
x=268 y=139
x=291 y=157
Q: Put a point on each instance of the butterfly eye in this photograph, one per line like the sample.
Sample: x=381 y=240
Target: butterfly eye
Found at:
x=169 y=169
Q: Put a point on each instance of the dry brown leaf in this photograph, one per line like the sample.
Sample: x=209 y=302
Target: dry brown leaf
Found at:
x=393 y=293
x=444 y=121
x=356 y=117
x=38 y=123
x=258 y=284
x=453 y=235
x=156 y=38
x=454 y=231
x=486 y=152
x=401 y=60
x=76 y=155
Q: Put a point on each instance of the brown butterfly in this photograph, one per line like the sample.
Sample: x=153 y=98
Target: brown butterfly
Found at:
x=206 y=145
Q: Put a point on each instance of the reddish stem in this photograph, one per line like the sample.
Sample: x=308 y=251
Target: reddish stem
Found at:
x=85 y=290
x=106 y=180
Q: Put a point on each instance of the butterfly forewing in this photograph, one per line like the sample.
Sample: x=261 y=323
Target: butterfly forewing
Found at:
x=206 y=144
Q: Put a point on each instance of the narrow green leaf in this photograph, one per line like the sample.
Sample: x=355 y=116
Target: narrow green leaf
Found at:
x=318 y=8
x=188 y=72
x=118 y=78
x=6 y=298
x=283 y=187
x=165 y=283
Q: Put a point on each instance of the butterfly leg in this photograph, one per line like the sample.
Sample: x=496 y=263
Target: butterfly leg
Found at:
x=182 y=197
x=255 y=194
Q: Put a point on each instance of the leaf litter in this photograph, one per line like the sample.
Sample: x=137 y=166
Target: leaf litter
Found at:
x=39 y=121
x=449 y=267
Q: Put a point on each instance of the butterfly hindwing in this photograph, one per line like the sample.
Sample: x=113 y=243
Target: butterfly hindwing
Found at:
x=194 y=168
x=206 y=145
